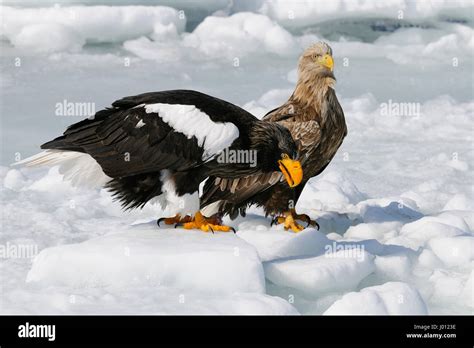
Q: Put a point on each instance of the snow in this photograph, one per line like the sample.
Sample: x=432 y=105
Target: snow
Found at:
x=331 y=272
x=390 y=298
x=460 y=202
x=239 y=35
x=468 y=291
x=161 y=300
x=192 y=122
x=129 y=255
x=397 y=266
x=307 y=12
x=47 y=38
x=146 y=256
x=454 y=251
x=334 y=192
x=14 y=180
x=74 y=24
x=272 y=245
x=420 y=232
x=399 y=188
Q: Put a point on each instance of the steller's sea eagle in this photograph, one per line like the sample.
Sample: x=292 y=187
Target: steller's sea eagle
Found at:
x=162 y=145
x=316 y=121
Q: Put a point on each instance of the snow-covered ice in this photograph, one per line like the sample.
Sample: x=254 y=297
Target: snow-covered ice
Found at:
x=331 y=272
x=239 y=35
x=187 y=261
x=389 y=298
x=395 y=206
x=40 y=28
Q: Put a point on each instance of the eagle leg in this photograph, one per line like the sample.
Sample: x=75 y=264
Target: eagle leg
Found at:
x=307 y=219
x=290 y=223
x=177 y=219
x=288 y=219
x=204 y=224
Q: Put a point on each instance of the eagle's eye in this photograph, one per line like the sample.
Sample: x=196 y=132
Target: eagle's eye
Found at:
x=284 y=156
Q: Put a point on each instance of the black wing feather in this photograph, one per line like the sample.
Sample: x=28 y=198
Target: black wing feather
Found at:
x=113 y=140
x=134 y=156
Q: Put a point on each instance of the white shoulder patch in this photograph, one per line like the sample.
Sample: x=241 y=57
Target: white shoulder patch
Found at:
x=189 y=120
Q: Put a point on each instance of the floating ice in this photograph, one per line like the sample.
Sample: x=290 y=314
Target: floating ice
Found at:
x=401 y=186
x=389 y=298
x=223 y=264
x=454 y=251
x=65 y=28
x=239 y=35
x=47 y=38
x=331 y=272
x=307 y=12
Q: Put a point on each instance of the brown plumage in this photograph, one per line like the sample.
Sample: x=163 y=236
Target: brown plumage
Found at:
x=316 y=121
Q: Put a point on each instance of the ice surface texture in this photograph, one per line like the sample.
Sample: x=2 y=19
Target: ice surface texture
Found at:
x=106 y=261
x=395 y=205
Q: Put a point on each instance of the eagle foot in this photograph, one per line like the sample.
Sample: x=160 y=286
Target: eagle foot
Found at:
x=288 y=219
x=204 y=224
x=177 y=219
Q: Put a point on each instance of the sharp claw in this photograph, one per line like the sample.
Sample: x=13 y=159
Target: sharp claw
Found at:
x=304 y=218
x=190 y=223
x=274 y=220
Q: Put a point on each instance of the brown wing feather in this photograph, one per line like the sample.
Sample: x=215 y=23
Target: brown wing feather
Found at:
x=318 y=132
x=237 y=190
x=307 y=136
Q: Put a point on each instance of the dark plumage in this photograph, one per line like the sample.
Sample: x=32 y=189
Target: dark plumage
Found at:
x=168 y=142
x=316 y=121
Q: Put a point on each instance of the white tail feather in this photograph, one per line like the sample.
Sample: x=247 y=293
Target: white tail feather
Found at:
x=78 y=168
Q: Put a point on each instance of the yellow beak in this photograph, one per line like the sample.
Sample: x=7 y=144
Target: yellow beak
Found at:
x=291 y=170
x=327 y=61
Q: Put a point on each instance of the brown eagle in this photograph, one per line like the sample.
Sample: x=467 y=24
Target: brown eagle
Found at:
x=316 y=122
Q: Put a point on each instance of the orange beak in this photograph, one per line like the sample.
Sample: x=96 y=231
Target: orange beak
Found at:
x=291 y=170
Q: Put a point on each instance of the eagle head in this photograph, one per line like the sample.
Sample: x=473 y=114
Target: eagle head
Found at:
x=316 y=61
x=276 y=150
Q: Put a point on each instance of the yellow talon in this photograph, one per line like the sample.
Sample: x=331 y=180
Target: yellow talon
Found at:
x=206 y=224
x=291 y=223
x=288 y=219
x=177 y=219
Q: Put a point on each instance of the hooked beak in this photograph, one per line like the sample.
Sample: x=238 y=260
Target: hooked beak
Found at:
x=327 y=61
x=291 y=170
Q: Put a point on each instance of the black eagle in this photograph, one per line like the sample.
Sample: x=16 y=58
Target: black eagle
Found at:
x=163 y=145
